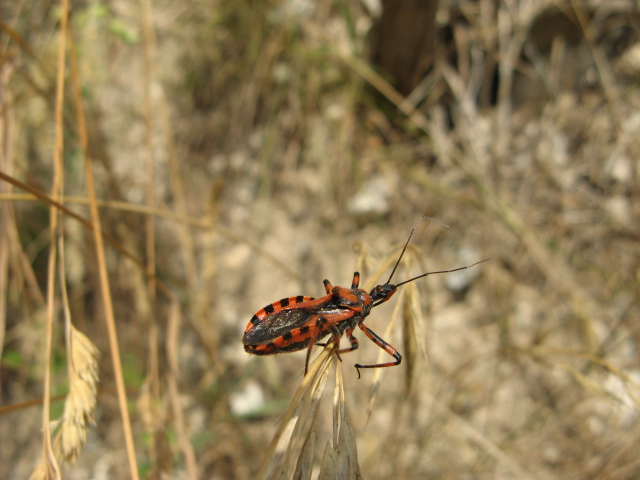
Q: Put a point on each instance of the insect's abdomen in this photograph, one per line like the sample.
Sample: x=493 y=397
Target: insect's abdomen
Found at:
x=274 y=307
x=296 y=339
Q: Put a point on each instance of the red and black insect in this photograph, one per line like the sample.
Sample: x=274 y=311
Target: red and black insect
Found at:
x=296 y=323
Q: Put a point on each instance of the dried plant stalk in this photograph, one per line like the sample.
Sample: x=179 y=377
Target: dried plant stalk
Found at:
x=43 y=471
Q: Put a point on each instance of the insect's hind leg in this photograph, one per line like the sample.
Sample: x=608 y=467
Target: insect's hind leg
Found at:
x=383 y=345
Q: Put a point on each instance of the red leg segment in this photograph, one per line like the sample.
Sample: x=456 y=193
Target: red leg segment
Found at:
x=383 y=345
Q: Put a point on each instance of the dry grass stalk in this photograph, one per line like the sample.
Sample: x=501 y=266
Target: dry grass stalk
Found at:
x=81 y=399
x=105 y=287
x=173 y=337
x=43 y=471
x=57 y=188
x=153 y=411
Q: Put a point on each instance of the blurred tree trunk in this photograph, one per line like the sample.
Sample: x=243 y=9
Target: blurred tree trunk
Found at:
x=405 y=42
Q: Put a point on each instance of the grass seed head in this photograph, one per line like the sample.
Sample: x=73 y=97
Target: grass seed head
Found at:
x=81 y=399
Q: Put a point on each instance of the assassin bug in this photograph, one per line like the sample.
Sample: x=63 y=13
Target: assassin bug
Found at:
x=296 y=323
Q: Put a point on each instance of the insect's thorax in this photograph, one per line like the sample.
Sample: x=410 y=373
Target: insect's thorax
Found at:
x=354 y=299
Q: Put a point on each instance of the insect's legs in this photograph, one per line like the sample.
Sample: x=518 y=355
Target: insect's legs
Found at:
x=321 y=325
x=353 y=340
x=383 y=345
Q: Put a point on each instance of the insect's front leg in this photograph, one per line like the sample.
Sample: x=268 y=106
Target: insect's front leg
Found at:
x=383 y=345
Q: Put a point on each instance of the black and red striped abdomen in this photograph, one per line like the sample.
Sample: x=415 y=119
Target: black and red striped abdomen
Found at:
x=275 y=307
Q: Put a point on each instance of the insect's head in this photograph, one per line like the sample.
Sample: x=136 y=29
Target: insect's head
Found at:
x=382 y=292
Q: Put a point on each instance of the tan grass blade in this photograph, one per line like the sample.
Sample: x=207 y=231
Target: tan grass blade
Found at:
x=4 y=275
x=296 y=424
x=173 y=337
x=153 y=413
x=48 y=458
x=7 y=223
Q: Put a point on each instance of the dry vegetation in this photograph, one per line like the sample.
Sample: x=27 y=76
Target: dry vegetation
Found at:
x=243 y=152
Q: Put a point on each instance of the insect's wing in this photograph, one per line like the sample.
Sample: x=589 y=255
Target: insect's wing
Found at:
x=276 y=325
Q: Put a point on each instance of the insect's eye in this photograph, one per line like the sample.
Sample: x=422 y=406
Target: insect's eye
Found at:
x=377 y=292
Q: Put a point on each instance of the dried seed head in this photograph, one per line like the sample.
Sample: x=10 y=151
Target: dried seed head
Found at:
x=291 y=452
x=81 y=399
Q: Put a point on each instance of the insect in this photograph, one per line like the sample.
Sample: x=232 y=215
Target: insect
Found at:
x=296 y=323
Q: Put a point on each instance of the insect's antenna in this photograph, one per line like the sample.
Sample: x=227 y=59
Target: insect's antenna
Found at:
x=441 y=271
x=407 y=244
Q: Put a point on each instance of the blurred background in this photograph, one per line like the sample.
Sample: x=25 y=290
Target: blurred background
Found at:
x=292 y=141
